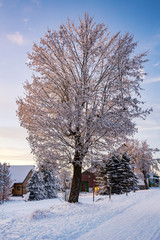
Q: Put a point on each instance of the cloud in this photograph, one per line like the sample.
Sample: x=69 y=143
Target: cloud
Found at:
x=157 y=65
x=16 y=38
x=148 y=124
x=148 y=128
x=16 y=133
x=15 y=156
x=37 y=2
x=152 y=80
x=14 y=148
x=26 y=20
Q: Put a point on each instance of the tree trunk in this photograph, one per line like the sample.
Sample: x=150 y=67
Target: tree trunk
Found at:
x=76 y=183
x=145 y=180
x=146 y=183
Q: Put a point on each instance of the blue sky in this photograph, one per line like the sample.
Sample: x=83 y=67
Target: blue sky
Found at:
x=23 y=22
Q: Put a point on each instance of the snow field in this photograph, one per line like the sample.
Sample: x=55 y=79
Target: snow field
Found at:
x=134 y=217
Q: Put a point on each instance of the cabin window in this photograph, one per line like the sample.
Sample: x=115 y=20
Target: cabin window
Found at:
x=18 y=188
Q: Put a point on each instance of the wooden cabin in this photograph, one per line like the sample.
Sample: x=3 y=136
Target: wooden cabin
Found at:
x=87 y=181
x=20 y=175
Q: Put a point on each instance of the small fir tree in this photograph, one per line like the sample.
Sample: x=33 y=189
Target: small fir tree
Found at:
x=130 y=179
x=5 y=179
x=50 y=184
x=36 y=187
x=51 y=181
x=120 y=176
x=115 y=175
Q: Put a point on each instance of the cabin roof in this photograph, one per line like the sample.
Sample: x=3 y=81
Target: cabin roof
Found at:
x=90 y=170
x=20 y=172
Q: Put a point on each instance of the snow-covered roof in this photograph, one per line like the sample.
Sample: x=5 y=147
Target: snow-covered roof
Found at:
x=20 y=172
x=153 y=175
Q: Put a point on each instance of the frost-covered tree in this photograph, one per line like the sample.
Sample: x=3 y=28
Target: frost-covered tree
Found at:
x=65 y=178
x=141 y=156
x=85 y=87
x=5 y=182
x=36 y=187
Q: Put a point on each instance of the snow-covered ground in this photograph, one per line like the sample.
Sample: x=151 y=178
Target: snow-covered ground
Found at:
x=134 y=217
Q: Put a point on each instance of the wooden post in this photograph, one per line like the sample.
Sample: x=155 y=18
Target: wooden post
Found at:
x=110 y=193
x=65 y=194
x=93 y=194
x=126 y=191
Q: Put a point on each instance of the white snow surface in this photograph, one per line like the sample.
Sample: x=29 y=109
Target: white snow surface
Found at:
x=132 y=217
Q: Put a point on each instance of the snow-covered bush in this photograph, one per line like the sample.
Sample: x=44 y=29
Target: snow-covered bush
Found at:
x=39 y=214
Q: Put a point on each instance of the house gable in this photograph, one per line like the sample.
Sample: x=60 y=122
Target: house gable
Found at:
x=20 y=176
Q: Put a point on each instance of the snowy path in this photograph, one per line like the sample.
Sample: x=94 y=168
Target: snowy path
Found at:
x=138 y=222
x=136 y=217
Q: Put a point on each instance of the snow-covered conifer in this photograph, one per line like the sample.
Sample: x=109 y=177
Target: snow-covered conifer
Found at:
x=120 y=176
x=130 y=179
x=36 y=187
x=5 y=182
x=50 y=177
x=51 y=184
x=117 y=173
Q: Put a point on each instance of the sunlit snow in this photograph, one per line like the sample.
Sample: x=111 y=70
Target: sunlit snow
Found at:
x=135 y=216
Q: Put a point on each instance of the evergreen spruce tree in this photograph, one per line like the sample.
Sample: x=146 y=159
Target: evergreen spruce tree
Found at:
x=114 y=175
x=6 y=182
x=50 y=180
x=130 y=178
x=120 y=176
x=50 y=184
x=36 y=187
